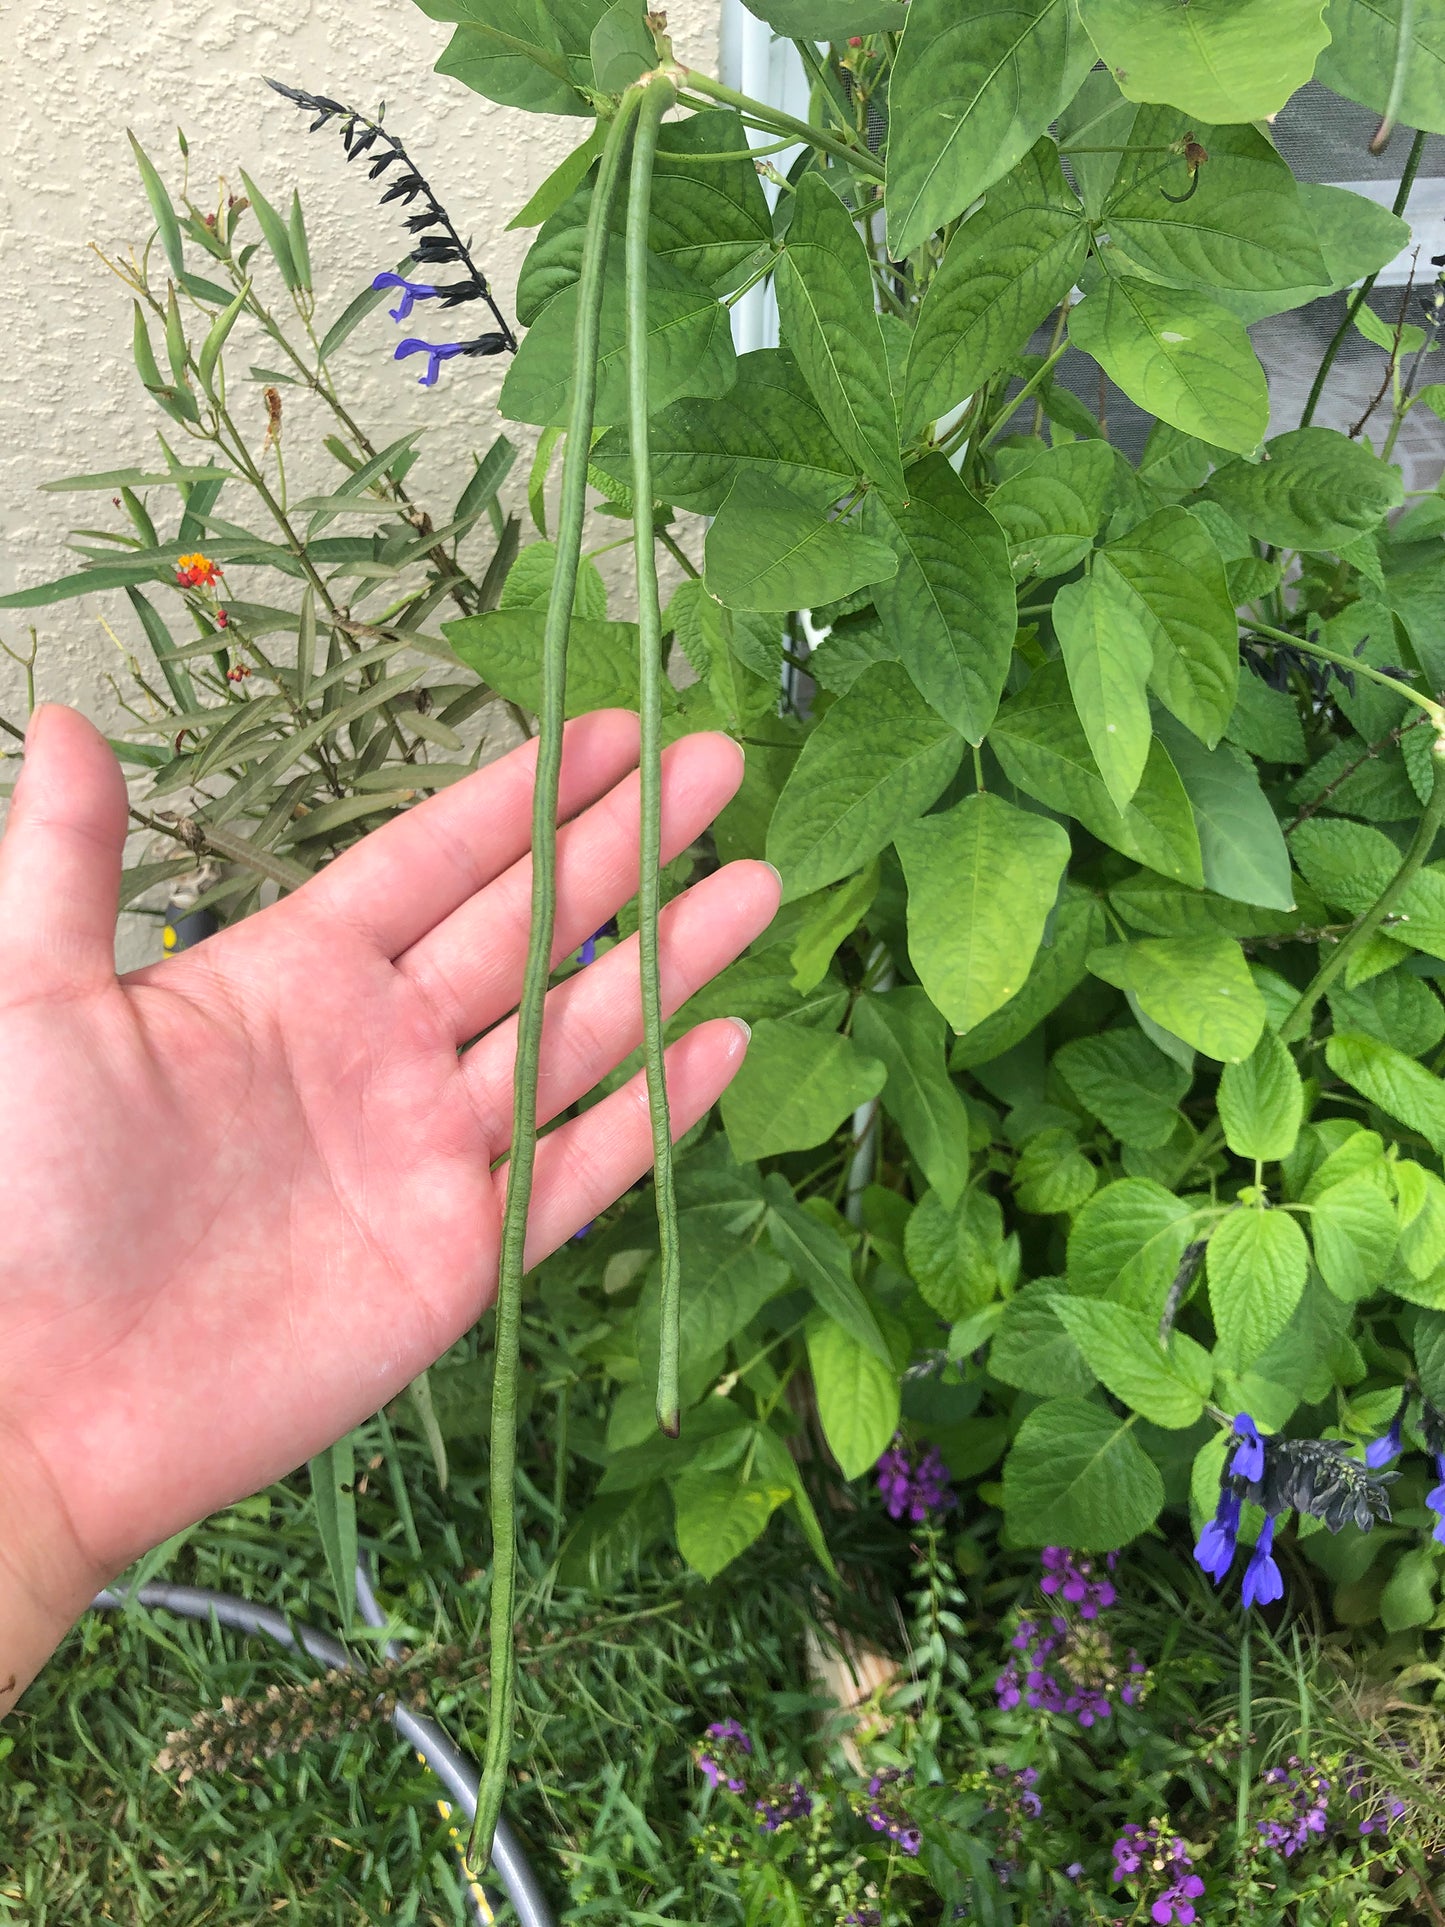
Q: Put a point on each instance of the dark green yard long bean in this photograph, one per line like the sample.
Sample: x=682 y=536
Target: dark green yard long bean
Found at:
x=534 y=984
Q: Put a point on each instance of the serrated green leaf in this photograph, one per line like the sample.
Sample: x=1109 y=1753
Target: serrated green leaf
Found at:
x=795 y=1088
x=1257 y=1262
x=1166 y=1387
x=1396 y=1083
x=1032 y=1350
x=1127 y=1242
x=1178 y=355
x=1220 y=60
x=973 y=87
x=873 y=765
x=857 y=1397
x=1397 y=1008
x=1354 y=1232
x=1004 y=270
x=1261 y=1102
x=1076 y=1475
x=950 y=610
x=905 y=1032
x=1127 y=1083
x=954 y=1252
x=982 y=879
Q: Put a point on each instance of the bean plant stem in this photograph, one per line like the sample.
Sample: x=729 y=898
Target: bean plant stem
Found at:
x=1298 y=1022
x=658 y=94
x=1362 y=293
x=501 y=1687
x=1356 y=668
x=857 y=157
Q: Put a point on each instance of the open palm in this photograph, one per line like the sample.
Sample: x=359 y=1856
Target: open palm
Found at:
x=248 y=1193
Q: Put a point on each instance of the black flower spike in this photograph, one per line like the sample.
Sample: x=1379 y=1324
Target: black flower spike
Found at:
x=1321 y=1478
x=437 y=241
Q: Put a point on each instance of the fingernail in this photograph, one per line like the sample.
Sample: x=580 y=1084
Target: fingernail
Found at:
x=775 y=870
x=746 y=1029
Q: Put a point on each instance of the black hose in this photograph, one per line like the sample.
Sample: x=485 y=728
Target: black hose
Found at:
x=456 y=1771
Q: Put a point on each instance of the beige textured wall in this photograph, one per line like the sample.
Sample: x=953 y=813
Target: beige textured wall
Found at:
x=73 y=75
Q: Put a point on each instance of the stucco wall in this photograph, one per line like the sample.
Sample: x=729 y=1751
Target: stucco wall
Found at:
x=75 y=74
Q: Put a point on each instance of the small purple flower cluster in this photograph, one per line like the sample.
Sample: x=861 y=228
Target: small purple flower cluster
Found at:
x=722 y=1764
x=884 y=1813
x=864 y=1917
x=919 y=1491
x=1435 y=1499
x=793 y=1802
x=1017 y=1790
x=1382 y=1816
x=1302 y=1799
x=1068 y=1665
x=1154 y=1851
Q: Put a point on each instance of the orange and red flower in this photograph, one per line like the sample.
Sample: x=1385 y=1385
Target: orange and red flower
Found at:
x=196 y=572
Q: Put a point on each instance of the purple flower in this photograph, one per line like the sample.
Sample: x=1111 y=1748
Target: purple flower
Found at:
x=436 y=353
x=1382 y=1450
x=1073 y=1870
x=1074 y=1578
x=730 y=1730
x=1379 y=1821
x=793 y=1803
x=1215 y=1551
x=1162 y=1855
x=1248 y=1461
x=583 y=1229
x=1435 y=1499
x=1263 y=1580
x=1302 y=1805
x=918 y=1491
x=413 y=291
x=1007 y=1688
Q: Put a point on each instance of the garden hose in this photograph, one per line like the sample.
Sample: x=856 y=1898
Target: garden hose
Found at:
x=456 y=1771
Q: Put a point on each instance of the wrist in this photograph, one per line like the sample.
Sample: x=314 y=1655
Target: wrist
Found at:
x=46 y=1582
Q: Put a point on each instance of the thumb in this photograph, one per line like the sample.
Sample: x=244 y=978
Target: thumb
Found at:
x=60 y=859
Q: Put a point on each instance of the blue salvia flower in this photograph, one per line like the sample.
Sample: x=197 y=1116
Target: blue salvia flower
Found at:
x=1382 y=1450
x=1215 y=1551
x=436 y=352
x=412 y=292
x=1263 y=1580
x=1436 y=1500
x=1248 y=1461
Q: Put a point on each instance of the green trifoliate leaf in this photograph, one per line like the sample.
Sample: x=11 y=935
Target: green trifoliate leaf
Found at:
x=1051 y=510
x=904 y=1031
x=1261 y=1102
x=504 y=647
x=950 y=611
x=1107 y=652
x=770 y=549
x=1244 y=226
x=857 y=1397
x=1242 y=847
x=1219 y=60
x=973 y=88
x=872 y=766
x=830 y=322
x=1315 y=489
x=1041 y=744
x=1122 y=1348
x=768 y=427
x=982 y=879
x=621 y=48
x=1005 y=269
x=1400 y=1087
x=718 y=1517
x=1170 y=575
x=1179 y=356
x=1198 y=987
x=1127 y=1242
x=1360 y=60
x=1124 y=1081
x=1076 y=1475
x=796 y=1086
x=1258 y=1262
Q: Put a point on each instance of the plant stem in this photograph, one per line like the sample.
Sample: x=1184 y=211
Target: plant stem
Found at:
x=858 y=158
x=1011 y=405
x=1361 y=294
x=658 y=94
x=1356 y=668
x=1298 y=1022
x=501 y=1687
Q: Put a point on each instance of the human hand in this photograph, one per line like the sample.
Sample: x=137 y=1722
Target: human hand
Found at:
x=247 y=1193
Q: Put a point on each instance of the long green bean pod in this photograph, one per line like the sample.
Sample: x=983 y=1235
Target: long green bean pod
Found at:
x=534 y=985
x=658 y=95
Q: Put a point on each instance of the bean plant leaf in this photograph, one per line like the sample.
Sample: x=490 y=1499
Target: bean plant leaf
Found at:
x=1219 y=60
x=1051 y=510
x=1077 y=1475
x=522 y=53
x=795 y=1088
x=1078 y=926
x=982 y=879
x=905 y=1031
x=1108 y=654
x=1315 y=489
x=877 y=760
x=1197 y=987
x=1243 y=854
x=504 y=647
x=857 y=1396
x=1261 y=1102
x=1400 y=1086
x=949 y=611
x=718 y=1517
x=1243 y=225
x=1178 y=355
x=973 y=88
x=1004 y=270
x=1122 y=1349
x=829 y=19
x=1170 y=575
x=819 y=1260
x=1360 y=59
x=829 y=320
x=1258 y=1262
x=1041 y=744
x=770 y=549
